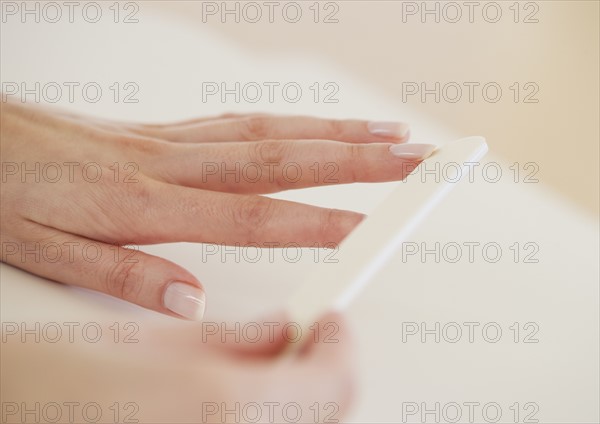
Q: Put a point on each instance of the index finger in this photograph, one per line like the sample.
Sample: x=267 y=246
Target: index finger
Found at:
x=270 y=127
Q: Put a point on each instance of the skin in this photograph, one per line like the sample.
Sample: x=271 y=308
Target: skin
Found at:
x=170 y=199
x=157 y=193
x=172 y=375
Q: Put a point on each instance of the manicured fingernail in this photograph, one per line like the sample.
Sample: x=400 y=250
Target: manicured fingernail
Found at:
x=412 y=151
x=185 y=300
x=388 y=129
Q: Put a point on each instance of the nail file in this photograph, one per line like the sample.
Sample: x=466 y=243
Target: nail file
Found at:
x=333 y=286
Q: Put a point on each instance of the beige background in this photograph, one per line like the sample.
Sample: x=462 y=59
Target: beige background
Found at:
x=559 y=53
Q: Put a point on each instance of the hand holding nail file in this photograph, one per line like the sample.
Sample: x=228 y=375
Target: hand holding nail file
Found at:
x=367 y=249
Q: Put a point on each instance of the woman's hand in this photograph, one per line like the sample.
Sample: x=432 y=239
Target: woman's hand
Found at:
x=76 y=190
x=176 y=374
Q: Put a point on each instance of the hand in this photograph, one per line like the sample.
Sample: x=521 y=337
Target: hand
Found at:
x=76 y=190
x=173 y=375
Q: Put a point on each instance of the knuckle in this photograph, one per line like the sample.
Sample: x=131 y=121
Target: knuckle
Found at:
x=231 y=115
x=137 y=205
x=132 y=197
x=252 y=213
x=124 y=278
x=254 y=128
x=269 y=152
x=352 y=161
x=138 y=194
x=336 y=128
x=332 y=225
x=136 y=145
x=355 y=152
x=119 y=207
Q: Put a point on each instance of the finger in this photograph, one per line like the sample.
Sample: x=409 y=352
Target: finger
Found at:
x=325 y=337
x=323 y=373
x=265 y=127
x=330 y=354
x=149 y=130
x=159 y=130
x=245 y=340
x=272 y=166
x=185 y=214
x=261 y=338
x=151 y=211
x=204 y=119
x=125 y=273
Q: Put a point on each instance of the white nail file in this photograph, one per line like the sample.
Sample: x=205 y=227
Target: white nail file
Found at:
x=367 y=249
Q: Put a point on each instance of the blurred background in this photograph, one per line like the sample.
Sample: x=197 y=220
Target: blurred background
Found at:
x=551 y=45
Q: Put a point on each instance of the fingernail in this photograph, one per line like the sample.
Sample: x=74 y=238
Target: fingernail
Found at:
x=388 y=129
x=185 y=300
x=412 y=151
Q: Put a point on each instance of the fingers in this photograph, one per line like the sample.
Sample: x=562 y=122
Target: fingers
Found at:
x=261 y=338
x=148 y=130
x=316 y=385
x=270 y=127
x=151 y=211
x=184 y=214
x=271 y=166
x=323 y=374
x=223 y=116
x=131 y=275
x=329 y=357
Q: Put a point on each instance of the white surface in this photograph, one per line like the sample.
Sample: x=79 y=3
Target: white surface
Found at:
x=169 y=61
x=337 y=282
